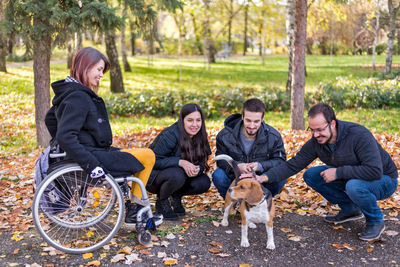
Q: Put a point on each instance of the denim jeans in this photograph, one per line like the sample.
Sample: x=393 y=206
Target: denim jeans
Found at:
x=353 y=194
x=222 y=183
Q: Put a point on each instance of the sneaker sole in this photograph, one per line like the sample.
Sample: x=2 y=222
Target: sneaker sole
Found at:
x=346 y=220
x=374 y=238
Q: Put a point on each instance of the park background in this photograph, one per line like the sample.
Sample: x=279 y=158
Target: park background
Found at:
x=217 y=53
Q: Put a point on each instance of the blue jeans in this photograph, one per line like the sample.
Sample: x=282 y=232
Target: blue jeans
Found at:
x=222 y=183
x=353 y=194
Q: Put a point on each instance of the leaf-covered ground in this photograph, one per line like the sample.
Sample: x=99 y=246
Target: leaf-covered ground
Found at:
x=16 y=185
x=16 y=194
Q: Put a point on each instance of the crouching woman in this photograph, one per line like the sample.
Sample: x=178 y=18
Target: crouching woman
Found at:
x=182 y=152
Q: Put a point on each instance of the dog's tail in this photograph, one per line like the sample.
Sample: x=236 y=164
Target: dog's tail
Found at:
x=231 y=162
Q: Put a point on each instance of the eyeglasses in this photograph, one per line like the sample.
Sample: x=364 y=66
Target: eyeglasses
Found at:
x=318 y=130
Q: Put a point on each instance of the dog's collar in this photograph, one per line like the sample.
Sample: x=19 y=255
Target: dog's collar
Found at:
x=248 y=206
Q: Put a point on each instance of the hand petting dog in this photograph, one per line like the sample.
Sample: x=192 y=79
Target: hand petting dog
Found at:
x=259 y=178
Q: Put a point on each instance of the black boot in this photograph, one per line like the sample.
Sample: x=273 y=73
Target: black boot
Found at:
x=164 y=207
x=131 y=214
x=177 y=205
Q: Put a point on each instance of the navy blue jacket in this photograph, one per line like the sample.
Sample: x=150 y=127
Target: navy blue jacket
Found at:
x=267 y=149
x=78 y=121
x=357 y=155
x=167 y=149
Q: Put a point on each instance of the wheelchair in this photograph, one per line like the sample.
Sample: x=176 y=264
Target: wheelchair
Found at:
x=77 y=214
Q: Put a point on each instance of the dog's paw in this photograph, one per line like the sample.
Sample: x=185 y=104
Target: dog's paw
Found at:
x=271 y=246
x=245 y=243
x=252 y=225
x=224 y=223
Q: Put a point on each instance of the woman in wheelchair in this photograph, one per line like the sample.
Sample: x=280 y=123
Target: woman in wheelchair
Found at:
x=181 y=151
x=78 y=122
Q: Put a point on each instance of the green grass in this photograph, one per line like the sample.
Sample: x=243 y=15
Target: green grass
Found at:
x=163 y=73
x=17 y=118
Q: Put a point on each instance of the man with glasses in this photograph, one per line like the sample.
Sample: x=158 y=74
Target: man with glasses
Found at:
x=358 y=171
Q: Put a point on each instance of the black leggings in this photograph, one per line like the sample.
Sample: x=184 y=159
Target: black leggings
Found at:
x=174 y=181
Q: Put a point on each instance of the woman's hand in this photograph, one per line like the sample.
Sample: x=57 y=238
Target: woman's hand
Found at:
x=190 y=169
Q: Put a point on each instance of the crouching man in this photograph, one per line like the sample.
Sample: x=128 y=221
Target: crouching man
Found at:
x=358 y=171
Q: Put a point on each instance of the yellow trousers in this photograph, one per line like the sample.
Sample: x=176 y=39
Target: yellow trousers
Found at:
x=147 y=157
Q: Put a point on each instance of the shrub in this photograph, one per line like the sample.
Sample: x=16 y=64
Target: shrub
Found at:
x=214 y=102
x=380 y=48
x=359 y=93
x=341 y=94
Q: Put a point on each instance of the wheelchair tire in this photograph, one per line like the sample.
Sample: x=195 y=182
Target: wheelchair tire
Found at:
x=75 y=213
x=144 y=237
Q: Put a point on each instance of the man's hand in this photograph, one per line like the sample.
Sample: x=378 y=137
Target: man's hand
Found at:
x=259 y=178
x=253 y=165
x=244 y=167
x=190 y=169
x=329 y=175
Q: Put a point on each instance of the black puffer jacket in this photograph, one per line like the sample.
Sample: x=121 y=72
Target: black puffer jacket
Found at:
x=357 y=155
x=168 y=151
x=79 y=122
x=267 y=149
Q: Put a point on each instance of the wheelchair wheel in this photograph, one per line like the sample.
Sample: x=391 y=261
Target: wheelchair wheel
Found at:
x=144 y=237
x=75 y=213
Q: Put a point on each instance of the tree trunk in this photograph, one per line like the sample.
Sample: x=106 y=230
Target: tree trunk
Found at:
x=11 y=43
x=179 y=20
x=127 y=68
x=41 y=80
x=398 y=41
x=28 y=48
x=260 y=31
x=297 y=95
x=391 y=34
x=78 y=41
x=230 y=19
x=117 y=85
x=246 y=21
x=378 y=15
x=196 y=34
x=3 y=41
x=70 y=54
x=179 y=57
x=133 y=37
x=290 y=36
x=209 y=44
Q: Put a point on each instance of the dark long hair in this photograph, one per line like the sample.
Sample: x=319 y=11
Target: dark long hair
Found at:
x=193 y=149
x=83 y=61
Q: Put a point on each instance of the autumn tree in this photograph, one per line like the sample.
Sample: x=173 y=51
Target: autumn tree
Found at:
x=49 y=22
x=209 y=48
x=290 y=37
x=391 y=34
x=297 y=93
x=377 y=28
x=127 y=67
x=3 y=40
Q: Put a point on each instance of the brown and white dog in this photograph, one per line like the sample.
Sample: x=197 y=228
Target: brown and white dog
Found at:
x=255 y=204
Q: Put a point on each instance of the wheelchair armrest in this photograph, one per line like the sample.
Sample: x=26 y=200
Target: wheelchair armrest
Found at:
x=57 y=155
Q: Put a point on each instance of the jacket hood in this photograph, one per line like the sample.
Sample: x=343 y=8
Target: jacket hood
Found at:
x=232 y=120
x=62 y=89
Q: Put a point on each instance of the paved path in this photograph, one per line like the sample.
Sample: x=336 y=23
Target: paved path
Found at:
x=300 y=241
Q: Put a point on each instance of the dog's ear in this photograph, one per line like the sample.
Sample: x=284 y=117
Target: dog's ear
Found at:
x=255 y=194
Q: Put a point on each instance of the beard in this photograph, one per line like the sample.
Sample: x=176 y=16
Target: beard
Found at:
x=251 y=133
x=324 y=136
